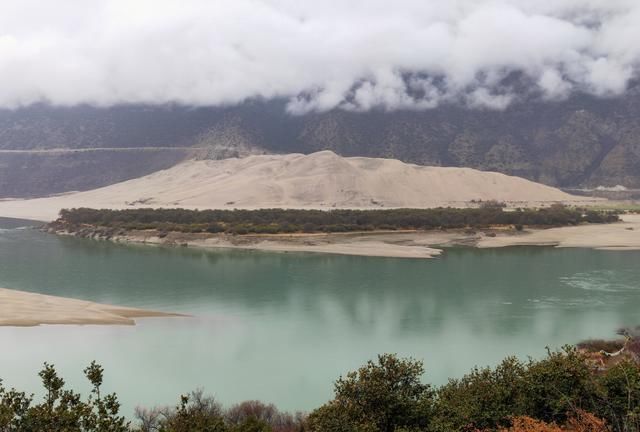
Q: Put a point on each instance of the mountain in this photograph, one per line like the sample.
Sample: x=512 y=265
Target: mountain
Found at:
x=321 y=180
x=582 y=142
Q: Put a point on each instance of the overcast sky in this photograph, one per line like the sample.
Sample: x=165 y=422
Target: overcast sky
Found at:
x=318 y=54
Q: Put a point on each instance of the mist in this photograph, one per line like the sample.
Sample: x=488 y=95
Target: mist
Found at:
x=356 y=55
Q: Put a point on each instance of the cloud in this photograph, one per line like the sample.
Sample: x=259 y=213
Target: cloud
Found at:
x=319 y=55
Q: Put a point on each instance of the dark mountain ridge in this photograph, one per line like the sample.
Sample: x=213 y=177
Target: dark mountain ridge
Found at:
x=581 y=142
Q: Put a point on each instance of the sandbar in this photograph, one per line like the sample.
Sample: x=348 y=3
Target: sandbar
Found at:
x=25 y=309
x=624 y=235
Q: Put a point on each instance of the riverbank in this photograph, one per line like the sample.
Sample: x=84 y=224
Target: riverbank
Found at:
x=24 y=309
x=623 y=235
x=407 y=244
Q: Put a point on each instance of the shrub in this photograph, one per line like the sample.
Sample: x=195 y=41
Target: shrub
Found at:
x=292 y=220
x=384 y=396
x=597 y=345
x=195 y=414
x=214 y=228
x=62 y=409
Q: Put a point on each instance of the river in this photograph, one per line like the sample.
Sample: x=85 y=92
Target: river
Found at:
x=282 y=327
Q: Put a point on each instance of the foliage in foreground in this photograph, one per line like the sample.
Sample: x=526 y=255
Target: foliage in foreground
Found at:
x=562 y=392
x=562 y=389
x=61 y=409
x=273 y=221
x=197 y=412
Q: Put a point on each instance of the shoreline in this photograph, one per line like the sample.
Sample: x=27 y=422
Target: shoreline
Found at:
x=624 y=235
x=620 y=236
x=26 y=309
x=406 y=244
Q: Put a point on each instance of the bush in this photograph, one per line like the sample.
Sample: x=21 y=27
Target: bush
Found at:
x=62 y=409
x=597 y=345
x=384 y=396
x=492 y=204
x=309 y=228
x=195 y=413
x=214 y=228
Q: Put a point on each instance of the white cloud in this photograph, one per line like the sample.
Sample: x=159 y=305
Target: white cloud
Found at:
x=483 y=98
x=357 y=54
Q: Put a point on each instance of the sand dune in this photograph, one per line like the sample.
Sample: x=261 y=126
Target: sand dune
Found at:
x=319 y=180
x=18 y=308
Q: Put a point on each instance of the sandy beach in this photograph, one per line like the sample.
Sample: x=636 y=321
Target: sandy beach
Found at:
x=24 y=309
x=397 y=245
x=623 y=235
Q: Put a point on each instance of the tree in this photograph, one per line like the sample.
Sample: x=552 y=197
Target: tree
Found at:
x=483 y=399
x=61 y=409
x=195 y=413
x=382 y=396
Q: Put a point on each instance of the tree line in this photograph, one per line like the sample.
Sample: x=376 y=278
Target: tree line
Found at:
x=562 y=392
x=273 y=221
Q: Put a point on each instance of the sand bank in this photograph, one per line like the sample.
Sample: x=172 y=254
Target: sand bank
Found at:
x=623 y=235
x=395 y=244
x=19 y=308
x=399 y=245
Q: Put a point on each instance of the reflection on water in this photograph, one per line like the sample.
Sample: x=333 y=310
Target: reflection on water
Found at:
x=282 y=327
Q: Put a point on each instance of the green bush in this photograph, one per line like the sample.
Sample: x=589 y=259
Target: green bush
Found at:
x=61 y=409
x=291 y=220
x=389 y=396
x=384 y=396
x=214 y=228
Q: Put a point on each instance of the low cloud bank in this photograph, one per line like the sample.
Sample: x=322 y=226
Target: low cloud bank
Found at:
x=320 y=55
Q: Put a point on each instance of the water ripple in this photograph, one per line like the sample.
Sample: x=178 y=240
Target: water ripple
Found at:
x=606 y=281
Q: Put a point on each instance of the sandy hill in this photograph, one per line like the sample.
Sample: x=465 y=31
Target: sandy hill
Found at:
x=318 y=180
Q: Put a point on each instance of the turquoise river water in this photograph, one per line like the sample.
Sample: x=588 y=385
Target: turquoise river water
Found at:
x=282 y=327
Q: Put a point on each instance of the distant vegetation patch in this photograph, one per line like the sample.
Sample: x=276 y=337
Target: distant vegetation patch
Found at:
x=277 y=221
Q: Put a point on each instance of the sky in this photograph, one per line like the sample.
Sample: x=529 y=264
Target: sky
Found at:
x=316 y=54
